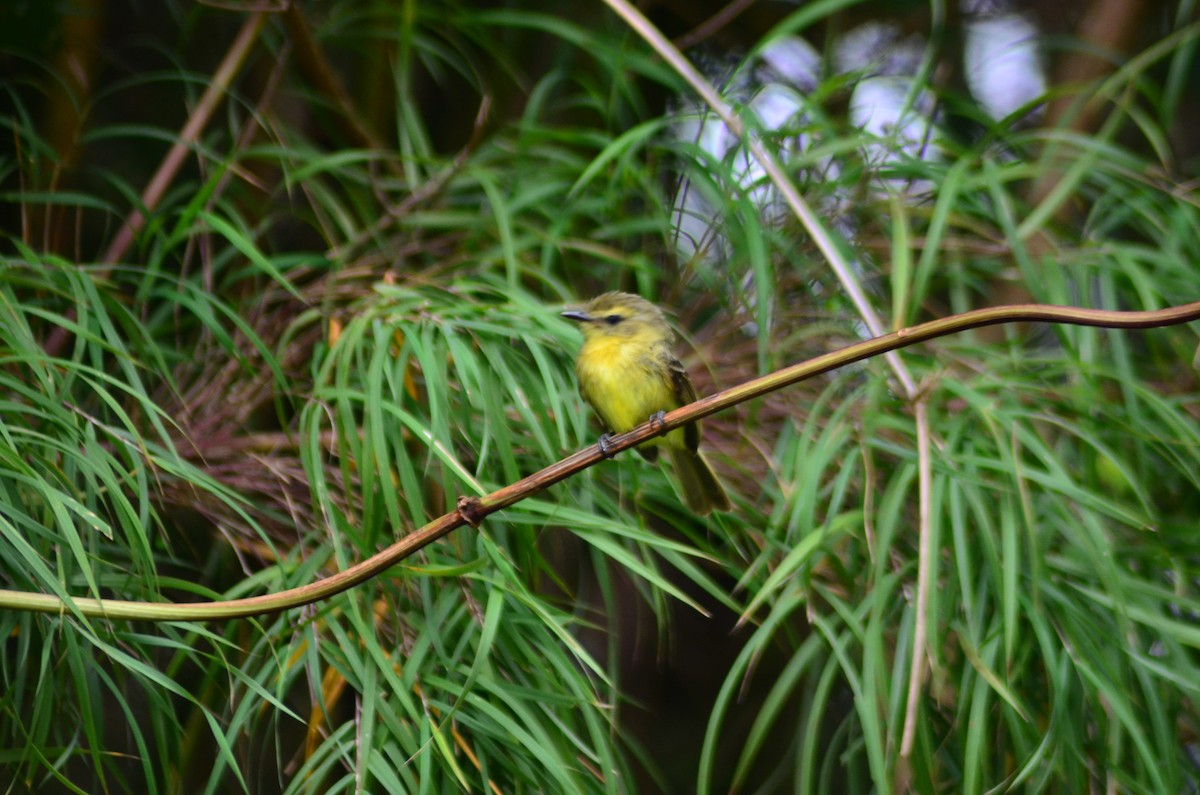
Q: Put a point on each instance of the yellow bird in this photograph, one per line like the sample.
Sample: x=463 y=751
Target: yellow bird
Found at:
x=629 y=374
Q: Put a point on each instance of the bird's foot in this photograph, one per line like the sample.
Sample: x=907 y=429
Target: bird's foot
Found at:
x=605 y=444
x=657 y=420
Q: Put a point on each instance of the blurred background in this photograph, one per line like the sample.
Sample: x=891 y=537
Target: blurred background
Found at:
x=281 y=281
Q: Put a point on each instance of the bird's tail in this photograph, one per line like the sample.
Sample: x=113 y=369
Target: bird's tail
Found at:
x=698 y=484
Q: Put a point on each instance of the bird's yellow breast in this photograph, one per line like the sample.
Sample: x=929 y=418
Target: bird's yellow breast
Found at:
x=625 y=383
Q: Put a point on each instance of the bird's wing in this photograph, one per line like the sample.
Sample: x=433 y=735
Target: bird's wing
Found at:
x=681 y=387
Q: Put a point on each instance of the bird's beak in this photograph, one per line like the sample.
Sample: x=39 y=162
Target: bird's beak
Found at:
x=577 y=314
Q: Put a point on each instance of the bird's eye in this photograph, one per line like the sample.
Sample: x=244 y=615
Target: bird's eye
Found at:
x=613 y=320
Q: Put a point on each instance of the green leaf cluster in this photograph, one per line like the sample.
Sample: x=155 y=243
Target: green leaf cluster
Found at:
x=313 y=346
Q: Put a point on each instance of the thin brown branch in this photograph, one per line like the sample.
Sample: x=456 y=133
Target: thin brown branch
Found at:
x=1107 y=28
x=424 y=192
x=473 y=510
x=713 y=24
x=189 y=135
x=67 y=104
x=800 y=208
x=925 y=560
x=316 y=69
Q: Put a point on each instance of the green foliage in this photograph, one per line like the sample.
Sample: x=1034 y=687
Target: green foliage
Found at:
x=314 y=346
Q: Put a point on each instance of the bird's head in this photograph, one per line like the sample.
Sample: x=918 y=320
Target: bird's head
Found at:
x=619 y=315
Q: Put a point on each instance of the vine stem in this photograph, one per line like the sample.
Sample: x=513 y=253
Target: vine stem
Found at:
x=472 y=510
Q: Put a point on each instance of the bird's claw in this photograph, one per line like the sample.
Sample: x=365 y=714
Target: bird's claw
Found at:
x=605 y=444
x=657 y=420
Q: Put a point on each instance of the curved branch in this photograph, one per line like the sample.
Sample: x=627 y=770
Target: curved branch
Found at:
x=473 y=510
